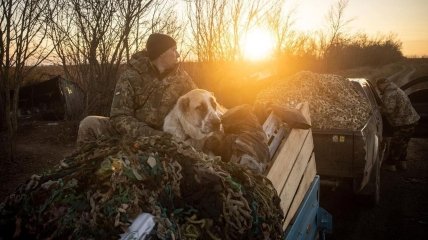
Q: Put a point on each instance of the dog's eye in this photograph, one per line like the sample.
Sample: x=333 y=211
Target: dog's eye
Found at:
x=202 y=108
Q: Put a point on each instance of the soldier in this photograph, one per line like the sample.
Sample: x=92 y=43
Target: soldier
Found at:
x=403 y=118
x=145 y=93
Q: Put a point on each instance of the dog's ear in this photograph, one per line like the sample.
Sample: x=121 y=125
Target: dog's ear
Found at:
x=183 y=104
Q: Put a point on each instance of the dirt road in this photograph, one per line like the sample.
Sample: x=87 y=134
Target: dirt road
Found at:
x=40 y=146
x=404 y=76
x=403 y=210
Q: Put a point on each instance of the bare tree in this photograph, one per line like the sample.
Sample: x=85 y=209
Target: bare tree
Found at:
x=280 y=21
x=336 y=23
x=95 y=37
x=23 y=46
x=217 y=26
x=206 y=22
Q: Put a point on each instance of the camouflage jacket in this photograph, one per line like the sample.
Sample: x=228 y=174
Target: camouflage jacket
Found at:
x=397 y=107
x=143 y=97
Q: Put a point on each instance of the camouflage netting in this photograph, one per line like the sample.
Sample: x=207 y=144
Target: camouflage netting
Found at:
x=96 y=192
x=333 y=101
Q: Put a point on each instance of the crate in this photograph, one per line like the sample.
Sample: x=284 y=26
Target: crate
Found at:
x=293 y=167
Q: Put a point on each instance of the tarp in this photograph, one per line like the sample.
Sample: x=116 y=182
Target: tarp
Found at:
x=54 y=99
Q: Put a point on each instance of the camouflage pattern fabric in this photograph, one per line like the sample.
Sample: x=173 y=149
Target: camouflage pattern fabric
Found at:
x=96 y=192
x=143 y=97
x=243 y=142
x=334 y=103
x=397 y=107
x=399 y=143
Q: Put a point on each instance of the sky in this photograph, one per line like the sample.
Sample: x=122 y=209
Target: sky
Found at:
x=408 y=19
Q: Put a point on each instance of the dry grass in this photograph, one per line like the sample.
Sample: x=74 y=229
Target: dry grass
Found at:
x=372 y=73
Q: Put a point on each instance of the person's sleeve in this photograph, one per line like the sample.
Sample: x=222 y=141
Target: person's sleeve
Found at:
x=389 y=104
x=122 y=112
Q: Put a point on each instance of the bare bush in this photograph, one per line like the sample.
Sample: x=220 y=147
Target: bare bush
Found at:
x=360 y=50
x=95 y=37
x=22 y=47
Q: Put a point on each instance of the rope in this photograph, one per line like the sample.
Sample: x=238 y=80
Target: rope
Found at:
x=97 y=192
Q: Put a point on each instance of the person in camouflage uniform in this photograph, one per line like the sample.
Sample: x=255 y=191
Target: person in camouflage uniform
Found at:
x=145 y=93
x=401 y=115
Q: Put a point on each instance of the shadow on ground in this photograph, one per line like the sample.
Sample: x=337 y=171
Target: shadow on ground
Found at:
x=402 y=213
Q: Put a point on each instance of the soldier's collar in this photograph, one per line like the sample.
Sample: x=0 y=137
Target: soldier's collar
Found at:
x=154 y=68
x=161 y=76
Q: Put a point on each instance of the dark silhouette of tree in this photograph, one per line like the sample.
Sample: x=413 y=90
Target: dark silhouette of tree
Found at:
x=362 y=51
x=23 y=46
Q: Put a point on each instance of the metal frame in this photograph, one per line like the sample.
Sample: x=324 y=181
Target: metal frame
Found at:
x=310 y=220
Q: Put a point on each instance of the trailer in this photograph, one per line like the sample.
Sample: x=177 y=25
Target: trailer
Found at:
x=293 y=173
x=352 y=158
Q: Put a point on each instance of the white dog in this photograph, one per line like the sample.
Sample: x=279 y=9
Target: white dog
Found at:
x=195 y=116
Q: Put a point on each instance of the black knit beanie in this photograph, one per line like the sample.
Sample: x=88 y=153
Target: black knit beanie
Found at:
x=158 y=43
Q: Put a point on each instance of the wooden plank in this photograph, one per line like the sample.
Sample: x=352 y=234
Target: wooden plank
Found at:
x=288 y=152
x=275 y=142
x=307 y=179
x=293 y=181
x=304 y=109
x=286 y=157
x=274 y=133
x=271 y=123
x=293 y=168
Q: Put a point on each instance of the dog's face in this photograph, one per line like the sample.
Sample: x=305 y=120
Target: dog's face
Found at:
x=199 y=109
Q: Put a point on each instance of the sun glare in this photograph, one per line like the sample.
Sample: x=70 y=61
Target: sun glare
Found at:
x=258 y=44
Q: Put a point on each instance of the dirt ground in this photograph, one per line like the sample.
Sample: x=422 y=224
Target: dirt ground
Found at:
x=402 y=213
x=403 y=210
x=40 y=145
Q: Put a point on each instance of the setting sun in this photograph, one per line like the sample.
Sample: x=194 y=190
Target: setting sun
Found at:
x=258 y=44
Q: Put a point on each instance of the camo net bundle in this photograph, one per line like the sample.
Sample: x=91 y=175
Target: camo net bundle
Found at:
x=334 y=103
x=96 y=192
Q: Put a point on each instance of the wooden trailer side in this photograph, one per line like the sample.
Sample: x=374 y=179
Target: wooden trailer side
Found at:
x=293 y=168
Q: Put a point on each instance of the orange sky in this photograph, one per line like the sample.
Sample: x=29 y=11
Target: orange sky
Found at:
x=408 y=19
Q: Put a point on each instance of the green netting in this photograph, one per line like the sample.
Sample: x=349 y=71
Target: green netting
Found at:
x=96 y=192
